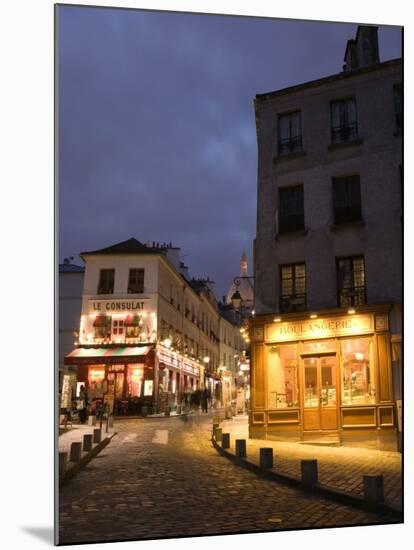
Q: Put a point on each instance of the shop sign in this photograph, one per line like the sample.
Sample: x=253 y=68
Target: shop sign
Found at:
x=168 y=359
x=114 y=306
x=323 y=327
x=190 y=368
x=321 y=346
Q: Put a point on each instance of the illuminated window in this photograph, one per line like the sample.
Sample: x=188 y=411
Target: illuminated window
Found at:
x=102 y=327
x=289 y=133
x=283 y=386
x=106 y=281
x=358 y=384
x=292 y=288
x=118 y=327
x=136 y=281
x=351 y=281
x=344 y=125
x=136 y=373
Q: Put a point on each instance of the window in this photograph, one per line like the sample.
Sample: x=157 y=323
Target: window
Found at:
x=351 y=281
x=347 y=199
x=289 y=133
x=102 y=327
x=283 y=385
x=136 y=281
x=344 y=125
x=118 y=327
x=106 y=281
x=398 y=105
x=291 y=209
x=292 y=288
x=358 y=385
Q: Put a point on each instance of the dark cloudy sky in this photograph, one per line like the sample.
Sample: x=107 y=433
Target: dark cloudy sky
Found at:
x=156 y=124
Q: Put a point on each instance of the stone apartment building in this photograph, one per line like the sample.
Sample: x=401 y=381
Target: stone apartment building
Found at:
x=326 y=339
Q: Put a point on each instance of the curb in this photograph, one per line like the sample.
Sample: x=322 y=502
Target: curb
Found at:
x=75 y=467
x=318 y=489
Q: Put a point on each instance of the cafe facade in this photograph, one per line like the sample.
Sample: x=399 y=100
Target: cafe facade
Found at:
x=324 y=378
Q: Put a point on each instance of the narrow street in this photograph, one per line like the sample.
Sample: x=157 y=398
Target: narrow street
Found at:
x=162 y=478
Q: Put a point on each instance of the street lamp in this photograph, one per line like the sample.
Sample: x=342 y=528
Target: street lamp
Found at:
x=236 y=298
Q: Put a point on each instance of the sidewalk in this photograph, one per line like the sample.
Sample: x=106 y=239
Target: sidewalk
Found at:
x=341 y=468
x=76 y=433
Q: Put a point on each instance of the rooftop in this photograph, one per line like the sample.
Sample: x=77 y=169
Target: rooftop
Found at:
x=327 y=79
x=130 y=246
x=70 y=268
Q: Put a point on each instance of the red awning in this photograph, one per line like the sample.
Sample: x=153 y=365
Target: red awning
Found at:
x=132 y=320
x=120 y=355
x=102 y=321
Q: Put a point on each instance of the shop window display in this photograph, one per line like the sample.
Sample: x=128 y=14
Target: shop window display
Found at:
x=358 y=385
x=283 y=386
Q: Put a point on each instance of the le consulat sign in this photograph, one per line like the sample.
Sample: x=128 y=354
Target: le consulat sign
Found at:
x=319 y=328
x=113 y=306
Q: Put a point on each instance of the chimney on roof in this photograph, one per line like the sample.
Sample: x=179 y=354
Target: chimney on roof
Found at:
x=363 y=50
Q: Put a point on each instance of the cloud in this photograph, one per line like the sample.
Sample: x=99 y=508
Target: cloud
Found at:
x=157 y=135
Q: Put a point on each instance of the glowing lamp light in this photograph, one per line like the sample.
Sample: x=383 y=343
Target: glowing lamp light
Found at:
x=167 y=342
x=359 y=356
x=351 y=311
x=206 y=359
x=313 y=315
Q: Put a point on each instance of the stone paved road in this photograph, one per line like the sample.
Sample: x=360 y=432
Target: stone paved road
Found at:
x=162 y=478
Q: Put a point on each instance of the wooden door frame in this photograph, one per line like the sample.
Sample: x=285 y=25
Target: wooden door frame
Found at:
x=318 y=356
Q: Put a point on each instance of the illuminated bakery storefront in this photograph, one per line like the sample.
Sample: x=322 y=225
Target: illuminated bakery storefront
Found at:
x=326 y=378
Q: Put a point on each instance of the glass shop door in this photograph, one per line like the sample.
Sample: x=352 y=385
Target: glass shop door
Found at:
x=320 y=406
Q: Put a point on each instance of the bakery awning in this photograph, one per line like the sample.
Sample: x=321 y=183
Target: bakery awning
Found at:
x=97 y=356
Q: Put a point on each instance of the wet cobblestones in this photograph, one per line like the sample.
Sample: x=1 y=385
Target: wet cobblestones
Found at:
x=162 y=478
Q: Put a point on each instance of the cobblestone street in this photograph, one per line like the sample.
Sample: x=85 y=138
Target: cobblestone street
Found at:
x=162 y=478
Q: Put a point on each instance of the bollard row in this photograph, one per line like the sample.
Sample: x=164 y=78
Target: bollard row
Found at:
x=373 y=485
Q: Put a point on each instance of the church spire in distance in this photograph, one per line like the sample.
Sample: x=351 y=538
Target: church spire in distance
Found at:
x=243 y=264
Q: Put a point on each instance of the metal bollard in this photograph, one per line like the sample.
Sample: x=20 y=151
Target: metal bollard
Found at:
x=75 y=451
x=87 y=442
x=97 y=435
x=266 y=457
x=309 y=471
x=218 y=432
x=216 y=420
x=63 y=460
x=92 y=420
x=241 y=448
x=225 y=441
x=373 y=488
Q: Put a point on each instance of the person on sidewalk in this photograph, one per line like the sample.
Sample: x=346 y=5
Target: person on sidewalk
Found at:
x=82 y=404
x=204 y=401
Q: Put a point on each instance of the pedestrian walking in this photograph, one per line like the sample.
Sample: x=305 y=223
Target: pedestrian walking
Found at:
x=82 y=404
x=204 y=401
